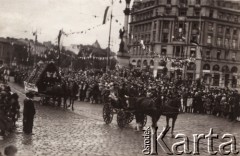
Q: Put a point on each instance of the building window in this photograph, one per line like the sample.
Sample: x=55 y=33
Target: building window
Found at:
x=219 y=29
x=165 y=25
x=234 y=56
x=195 y=25
x=155 y=25
x=218 y=55
x=219 y=42
x=154 y=35
x=182 y=12
x=194 y=39
x=169 y=1
x=210 y=27
x=164 y=51
x=234 y=44
x=168 y=11
x=235 y=19
x=183 y=2
x=193 y=52
x=220 y=15
x=208 y=54
x=226 y=55
x=198 y=1
x=226 y=42
x=216 y=79
x=209 y=39
x=165 y=38
x=227 y=31
x=235 y=32
x=197 y=12
x=211 y=14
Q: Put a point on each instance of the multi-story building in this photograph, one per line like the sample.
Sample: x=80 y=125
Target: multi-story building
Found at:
x=191 y=38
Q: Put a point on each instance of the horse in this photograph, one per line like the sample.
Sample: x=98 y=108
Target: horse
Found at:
x=58 y=92
x=72 y=92
x=155 y=108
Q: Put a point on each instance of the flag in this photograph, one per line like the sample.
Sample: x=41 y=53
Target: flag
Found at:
x=105 y=15
x=142 y=44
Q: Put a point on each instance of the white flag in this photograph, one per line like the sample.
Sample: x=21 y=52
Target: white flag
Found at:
x=142 y=44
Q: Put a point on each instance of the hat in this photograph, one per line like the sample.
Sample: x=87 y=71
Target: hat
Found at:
x=30 y=94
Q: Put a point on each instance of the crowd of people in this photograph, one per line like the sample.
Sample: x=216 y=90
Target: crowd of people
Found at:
x=9 y=109
x=195 y=97
x=95 y=86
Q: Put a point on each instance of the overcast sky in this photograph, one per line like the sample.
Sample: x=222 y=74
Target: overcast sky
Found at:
x=19 y=18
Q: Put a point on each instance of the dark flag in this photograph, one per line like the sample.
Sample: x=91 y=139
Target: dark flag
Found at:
x=105 y=14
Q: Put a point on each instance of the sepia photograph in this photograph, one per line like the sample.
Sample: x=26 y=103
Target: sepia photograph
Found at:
x=119 y=77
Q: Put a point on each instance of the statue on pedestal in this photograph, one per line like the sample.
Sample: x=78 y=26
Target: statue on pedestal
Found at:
x=121 y=35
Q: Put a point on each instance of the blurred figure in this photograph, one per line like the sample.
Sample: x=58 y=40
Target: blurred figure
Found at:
x=28 y=113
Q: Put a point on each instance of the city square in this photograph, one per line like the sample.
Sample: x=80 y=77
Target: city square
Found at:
x=130 y=77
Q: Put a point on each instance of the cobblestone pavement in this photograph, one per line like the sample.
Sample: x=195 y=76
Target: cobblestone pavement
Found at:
x=83 y=132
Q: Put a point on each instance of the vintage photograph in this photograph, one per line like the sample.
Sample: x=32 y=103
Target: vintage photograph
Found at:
x=119 y=77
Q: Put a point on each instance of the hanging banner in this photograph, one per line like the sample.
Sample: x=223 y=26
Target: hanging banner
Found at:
x=155 y=71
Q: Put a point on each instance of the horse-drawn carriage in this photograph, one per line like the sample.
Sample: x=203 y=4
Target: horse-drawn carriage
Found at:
x=45 y=81
x=124 y=115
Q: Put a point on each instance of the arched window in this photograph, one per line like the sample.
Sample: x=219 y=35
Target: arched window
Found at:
x=151 y=63
x=191 y=66
x=216 y=68
x=234 y=69
x=139 y=63
x=206 y=67
x=134 y=62
x=145 y=63
x=225 y=69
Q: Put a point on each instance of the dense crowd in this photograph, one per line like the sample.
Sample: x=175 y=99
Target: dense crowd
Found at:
x=195 y=96
x=9 y=109
x=95 y=86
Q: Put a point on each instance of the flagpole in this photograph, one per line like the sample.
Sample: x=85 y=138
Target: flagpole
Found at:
x=59 y=49
x=34 y=62
x=109 y=38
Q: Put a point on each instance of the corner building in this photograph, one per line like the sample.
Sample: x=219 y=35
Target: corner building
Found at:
x=206 y=32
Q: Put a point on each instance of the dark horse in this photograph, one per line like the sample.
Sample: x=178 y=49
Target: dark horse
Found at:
x=155 y=108
x=58 y=92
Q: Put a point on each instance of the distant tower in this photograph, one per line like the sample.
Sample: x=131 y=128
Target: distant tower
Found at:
x=123 y=55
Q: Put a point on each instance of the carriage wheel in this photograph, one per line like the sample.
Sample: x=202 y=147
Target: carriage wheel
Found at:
x=144 y=121
x=42 y=101
x=107 y=113
x=121 y=119
x=129 y=117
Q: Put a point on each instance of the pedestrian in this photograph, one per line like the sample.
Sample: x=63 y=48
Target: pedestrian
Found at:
x=10 y=151
x=28 y=113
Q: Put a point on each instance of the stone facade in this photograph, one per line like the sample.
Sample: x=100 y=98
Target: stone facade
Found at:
x=204 y=31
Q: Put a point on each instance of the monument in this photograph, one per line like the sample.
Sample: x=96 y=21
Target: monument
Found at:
x=123 y=55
